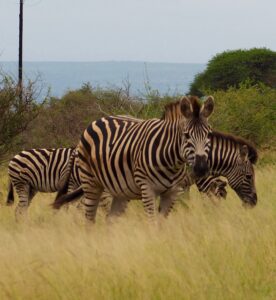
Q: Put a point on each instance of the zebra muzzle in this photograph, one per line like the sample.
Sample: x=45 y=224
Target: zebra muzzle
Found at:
x=201 y=167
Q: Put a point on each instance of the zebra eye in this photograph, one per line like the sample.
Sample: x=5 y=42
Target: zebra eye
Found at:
x=249 y=177
x=187 y=136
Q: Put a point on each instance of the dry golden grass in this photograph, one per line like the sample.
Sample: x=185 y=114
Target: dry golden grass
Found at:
x=205 y=252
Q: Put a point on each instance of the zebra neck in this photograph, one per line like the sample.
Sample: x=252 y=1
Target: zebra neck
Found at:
x=167 y=146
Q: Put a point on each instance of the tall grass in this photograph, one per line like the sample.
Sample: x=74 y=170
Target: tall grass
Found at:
x=209 y=251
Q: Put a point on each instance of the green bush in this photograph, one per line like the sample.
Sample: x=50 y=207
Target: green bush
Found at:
x=231 y=68
x=249 y=112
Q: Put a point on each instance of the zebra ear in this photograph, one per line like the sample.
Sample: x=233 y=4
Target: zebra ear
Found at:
x=244 y=152
x=186 y=107
x=207 y=107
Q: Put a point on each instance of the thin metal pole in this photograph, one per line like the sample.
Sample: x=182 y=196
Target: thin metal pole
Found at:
x=20 y=58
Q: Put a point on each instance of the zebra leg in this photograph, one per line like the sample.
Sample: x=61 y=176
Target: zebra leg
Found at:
x=148 y=199
x=118 y=207
x=167 y=200
x=106 y=203
x=92 y=195
x=23 y=191
x=32 y=193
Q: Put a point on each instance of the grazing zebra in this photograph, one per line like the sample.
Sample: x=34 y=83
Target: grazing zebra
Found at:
x=140 y=160
x=232 y=157
x=42 y=170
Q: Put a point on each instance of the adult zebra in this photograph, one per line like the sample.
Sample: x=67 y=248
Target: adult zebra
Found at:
x=144 y=159
x=39 y=170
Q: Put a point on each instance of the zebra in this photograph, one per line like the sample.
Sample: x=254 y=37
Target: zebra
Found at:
x=141 y=160
x=42 y=170
x=232 y=157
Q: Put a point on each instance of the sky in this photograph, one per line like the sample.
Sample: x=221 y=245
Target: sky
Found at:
x=187 y=31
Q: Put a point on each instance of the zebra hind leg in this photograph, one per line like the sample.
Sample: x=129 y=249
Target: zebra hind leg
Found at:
x=148 y=199
x=92 y=195
x=23 y=191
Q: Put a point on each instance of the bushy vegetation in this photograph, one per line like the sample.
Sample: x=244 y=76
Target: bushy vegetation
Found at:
x=62 y=120
x=231 y=68
x=17 y=109
x=248 y=111
x=205 y=252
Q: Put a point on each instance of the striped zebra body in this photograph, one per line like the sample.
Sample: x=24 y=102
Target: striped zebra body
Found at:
x=39 y=170
x=140 y=160
x=233 y=158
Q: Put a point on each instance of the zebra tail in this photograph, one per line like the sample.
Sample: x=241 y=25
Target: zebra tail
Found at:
x=10 y=197
x=67 y=198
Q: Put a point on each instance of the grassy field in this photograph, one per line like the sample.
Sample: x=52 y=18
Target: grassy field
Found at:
x=209 y=251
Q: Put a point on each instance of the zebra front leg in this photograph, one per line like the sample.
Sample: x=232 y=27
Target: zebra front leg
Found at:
x=167 y=201
x=148 y=199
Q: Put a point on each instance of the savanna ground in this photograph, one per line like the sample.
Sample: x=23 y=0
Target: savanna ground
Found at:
x=207 y=251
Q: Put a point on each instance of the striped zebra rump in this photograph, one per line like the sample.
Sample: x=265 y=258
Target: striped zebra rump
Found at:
x=37 y=170
x=42 y=169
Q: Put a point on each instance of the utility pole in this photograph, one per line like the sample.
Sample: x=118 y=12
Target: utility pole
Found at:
x=20 y=57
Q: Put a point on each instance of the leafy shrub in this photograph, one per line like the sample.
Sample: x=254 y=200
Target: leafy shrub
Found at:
x=249 y=112
x=62 y=121
x=17 y=110
x=230 y=68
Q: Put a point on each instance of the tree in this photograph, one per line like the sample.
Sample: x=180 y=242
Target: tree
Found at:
x=231 y=68
x=16 y=112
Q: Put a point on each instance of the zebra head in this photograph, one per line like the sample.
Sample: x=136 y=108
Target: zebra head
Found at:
x=196 y=133
x=242 y=179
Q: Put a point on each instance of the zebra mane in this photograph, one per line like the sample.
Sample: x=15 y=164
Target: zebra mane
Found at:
x=252 y=150
x=173 y=109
